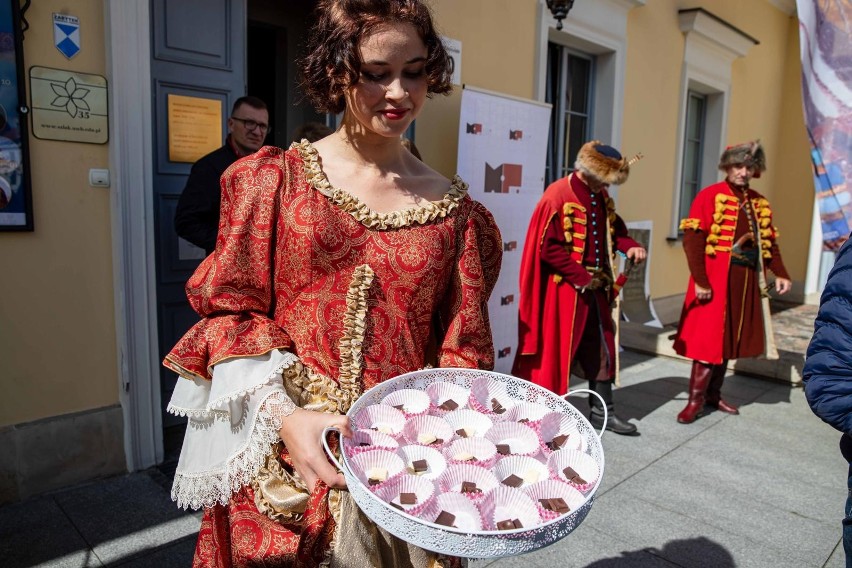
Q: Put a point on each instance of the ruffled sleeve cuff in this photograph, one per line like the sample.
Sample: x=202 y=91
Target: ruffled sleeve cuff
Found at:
x=233 y=421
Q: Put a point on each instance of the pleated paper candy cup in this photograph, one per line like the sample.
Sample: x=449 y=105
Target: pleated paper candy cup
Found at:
x=442 y=391
x=508 y=504
x=556 y=424
x=436 y=463
x=452 y=479
x=486 y=393
x=382 y=418
x=583 y=464
x=474 y=423
x=553 y=489
x=520 y=439
x=476 y=451
x=528 y=413
x=412 y=402
x=377 y=461
x=423 y=490
x=526 y=471
x=419 y=428
x=466 y=513
x=374 y=440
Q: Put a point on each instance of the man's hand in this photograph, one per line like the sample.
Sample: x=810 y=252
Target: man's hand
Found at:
x=637 y=254
x=703 y=294
x=782 y=285
x=595 y=283
x=301 y=432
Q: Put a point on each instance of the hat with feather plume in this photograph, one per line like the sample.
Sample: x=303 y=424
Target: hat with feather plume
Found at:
x=604 y=163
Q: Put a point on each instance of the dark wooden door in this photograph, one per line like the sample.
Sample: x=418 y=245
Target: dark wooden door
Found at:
x=198 y=50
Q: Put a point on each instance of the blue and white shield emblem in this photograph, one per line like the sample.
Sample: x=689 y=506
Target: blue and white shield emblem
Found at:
x=66 y=34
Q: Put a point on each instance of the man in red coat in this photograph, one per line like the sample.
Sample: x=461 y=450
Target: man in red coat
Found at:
x=730 y=240
x=567 y=281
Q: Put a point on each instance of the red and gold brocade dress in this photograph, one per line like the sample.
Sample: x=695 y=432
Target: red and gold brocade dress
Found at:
x=312 y=297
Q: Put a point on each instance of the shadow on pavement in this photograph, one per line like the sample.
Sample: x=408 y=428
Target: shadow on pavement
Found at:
x=675 y=553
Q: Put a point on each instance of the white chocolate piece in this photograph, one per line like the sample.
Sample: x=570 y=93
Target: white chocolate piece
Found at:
x=384 y=429
x=426 y=438
x=463 y=456
x=377 y=474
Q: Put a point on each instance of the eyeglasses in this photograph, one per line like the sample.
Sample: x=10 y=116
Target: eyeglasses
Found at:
x=251 y=124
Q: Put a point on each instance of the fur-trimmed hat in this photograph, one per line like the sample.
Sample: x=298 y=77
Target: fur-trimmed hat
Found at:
x=603 y=163
x=749 y=154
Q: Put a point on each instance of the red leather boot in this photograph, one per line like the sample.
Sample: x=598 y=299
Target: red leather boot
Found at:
x=714 y=390
x=699 y=380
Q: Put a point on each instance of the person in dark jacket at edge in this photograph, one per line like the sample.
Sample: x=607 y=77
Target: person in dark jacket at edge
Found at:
x=828 y=368
x=197 y=214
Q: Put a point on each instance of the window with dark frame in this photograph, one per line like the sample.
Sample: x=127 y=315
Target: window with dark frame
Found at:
x=569 y=89
x=693 y=150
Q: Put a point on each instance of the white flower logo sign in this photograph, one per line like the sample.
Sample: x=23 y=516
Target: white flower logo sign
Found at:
x=71 y=97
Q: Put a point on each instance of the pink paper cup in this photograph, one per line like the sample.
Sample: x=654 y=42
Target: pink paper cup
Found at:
x=476 y=423
x=557 y=424
x=529 y=413
x=381 y=418
x=553 y=489
x=436 y=460
x=365 y=463
x=442 y=391
x=451 y=480
x=423 y=490
x=483 y=391
x=521 y=440
x=419 y=426
x=467 y=515
x=506 y=504
x=582 y=463
x=372 y=439
x=483 y=452
x=413 y=402
x=529 y=470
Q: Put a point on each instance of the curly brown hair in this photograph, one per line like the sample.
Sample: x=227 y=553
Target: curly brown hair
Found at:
x=333 y=61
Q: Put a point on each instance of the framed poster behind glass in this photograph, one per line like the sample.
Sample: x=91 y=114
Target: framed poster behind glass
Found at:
x=16 y=209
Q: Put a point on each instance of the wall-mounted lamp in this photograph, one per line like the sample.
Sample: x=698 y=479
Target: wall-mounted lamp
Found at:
x=559 y=9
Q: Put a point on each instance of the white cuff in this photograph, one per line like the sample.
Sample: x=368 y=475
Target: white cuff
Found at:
x=233 y=420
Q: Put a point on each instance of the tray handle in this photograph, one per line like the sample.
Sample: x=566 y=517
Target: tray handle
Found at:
x=603 y=405
x=329 y=453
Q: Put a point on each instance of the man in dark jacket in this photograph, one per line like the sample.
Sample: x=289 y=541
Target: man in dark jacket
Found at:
x=197 y=214
x=828 y=368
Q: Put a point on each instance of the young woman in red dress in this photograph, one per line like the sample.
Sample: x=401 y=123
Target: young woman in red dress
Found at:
x=336 y=264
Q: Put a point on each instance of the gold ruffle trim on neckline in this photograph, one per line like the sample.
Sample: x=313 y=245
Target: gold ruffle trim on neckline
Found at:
x=366 y=216
x=354 y=326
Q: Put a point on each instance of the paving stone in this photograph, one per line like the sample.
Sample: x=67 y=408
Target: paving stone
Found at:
x=680 y=539
x=776 y=516
x=126 y=516
x=38 y=533
x=177 y=555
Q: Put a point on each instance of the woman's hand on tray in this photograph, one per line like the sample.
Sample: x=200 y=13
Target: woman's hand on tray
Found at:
x=301 y=433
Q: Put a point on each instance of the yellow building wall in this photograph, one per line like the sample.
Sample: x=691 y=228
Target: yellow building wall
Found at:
x=765 y=103
x=498 y=54
x=57 y=326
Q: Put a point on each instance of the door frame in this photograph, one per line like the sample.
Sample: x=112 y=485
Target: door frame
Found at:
x=128 y=53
